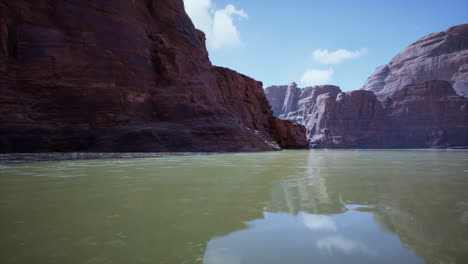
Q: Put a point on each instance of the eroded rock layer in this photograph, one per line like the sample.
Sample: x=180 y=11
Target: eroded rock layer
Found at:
x=415 y=101
x=428 y=114
x=438 y=56
x=122 y=75
x=423 y=115
x=334 y=119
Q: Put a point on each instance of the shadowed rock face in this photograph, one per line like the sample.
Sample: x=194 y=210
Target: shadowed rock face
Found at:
x=439 y=56
x=424 y=115
x=428 y=114
x=122 y=75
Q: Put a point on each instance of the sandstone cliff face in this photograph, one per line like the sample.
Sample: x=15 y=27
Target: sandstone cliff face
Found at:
x=428 y=114
x=348 y=120
x=439 y=56
x=418 y=105
x=122 y=75
x=424 y=115
x=293 y=103
x=333 y=119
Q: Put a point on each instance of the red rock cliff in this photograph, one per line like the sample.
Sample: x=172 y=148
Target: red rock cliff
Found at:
x=354 y=119
x=428 y=114
x=438 y=56
x=121 y=75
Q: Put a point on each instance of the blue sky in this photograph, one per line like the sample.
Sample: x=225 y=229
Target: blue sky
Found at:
x=315 y=42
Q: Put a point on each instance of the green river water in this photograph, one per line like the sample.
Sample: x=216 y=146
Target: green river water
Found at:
x=291 y=207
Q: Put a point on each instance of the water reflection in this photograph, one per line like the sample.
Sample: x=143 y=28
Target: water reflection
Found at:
x=353 y=203
x=341 y=244
x=284 y=207
x=319 y=222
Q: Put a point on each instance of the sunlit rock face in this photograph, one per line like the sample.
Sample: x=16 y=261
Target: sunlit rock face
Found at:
x=438 y=56
x=349 y=120
x=423 y=115
x=294 y=103
x=333 y=119
x=122 y=75
x=411 y=102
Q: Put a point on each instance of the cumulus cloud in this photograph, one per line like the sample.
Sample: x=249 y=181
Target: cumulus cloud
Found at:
x=317 y=77
x=218 y=24
x=200 y=13
x=336 y=57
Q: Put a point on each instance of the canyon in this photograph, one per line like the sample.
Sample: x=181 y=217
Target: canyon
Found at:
x=135 y=76
x=416 y=101
x=422 y=115
x=124 y=76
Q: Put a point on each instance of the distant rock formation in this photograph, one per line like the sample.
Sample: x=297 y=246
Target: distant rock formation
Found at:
x=334 y=119
x=410 y=103
x=122 y=75
x=438 y=56
x=423 y=115
x=349 y=120
x=296 y=104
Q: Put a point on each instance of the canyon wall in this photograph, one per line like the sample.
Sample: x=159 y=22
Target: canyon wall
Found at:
x=423 y=115
x=415 y=101
x=122 y=75
x=428 y=114
x=438 y=56
x=334 y=119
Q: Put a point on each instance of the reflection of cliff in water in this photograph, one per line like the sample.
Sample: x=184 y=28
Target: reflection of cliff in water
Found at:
x=319 y=187
x=436 y=231
x=421 y=205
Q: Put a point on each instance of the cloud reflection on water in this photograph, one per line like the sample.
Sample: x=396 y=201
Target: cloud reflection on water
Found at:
x=342 y=244
x=319 y=222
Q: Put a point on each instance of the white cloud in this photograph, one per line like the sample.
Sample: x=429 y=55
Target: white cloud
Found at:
x=225 y=33
x=336 y=57
x=218 y=25
x=317 y=77
x=200 y=13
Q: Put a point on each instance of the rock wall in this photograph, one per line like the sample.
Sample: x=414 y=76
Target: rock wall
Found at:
x=428 y=114
x=411 y=102
x=348 y=120
x=333 y=119
x=300 y=101
x=438 y=56
x=423 y=115
x=122 y=75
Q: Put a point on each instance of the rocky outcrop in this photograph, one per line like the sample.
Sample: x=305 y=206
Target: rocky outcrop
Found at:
x=289 y=134
x=439 y=56
x=424 y=115
x=122 y=76
x=428 y=114
x=276 y=96
x=293 y=103
x=348 y=120
x=418 y=105
x=291 y=98
x=333 y=119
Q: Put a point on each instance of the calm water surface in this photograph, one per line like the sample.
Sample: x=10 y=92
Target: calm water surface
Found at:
x=292 y=207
